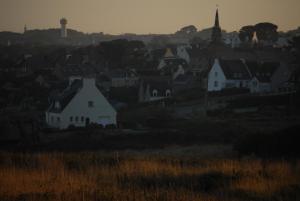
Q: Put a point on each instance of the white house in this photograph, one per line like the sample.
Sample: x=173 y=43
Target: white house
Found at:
x=183 y=53
x=232 y=40
x=228 y=74
x=80 y=104
x=267 y=76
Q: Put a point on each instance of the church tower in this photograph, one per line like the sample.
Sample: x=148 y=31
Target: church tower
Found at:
x=216 y=36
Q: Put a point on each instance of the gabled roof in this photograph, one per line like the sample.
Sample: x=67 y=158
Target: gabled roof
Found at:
x=262 y=71
x=235 y=69
x=161 y=86
x=65 y=97
x=183 y=79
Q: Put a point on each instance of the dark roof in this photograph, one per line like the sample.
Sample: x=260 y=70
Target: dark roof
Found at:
x=78 y=70
x=262 y=71
x=175 y=61
x=103 y=78
x=235 y=69
x=160 y=53
x=122 y=73
x=196 y=52
x=183 y=79
x=160 y=86
x=65 y=97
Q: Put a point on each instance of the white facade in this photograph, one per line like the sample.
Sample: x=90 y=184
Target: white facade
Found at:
x=183 y=54
x=216 y=78
x=259 y=87
x=232 y=40
x=218 y=81
x=87 y=106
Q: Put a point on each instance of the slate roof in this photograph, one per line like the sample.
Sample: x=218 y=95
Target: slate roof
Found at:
x=161 y=87
x=262 y=71
x=65 y=97
x=183 y=79
x=235 y=69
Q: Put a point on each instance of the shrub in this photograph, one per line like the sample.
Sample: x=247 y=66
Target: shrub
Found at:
x=284 y=143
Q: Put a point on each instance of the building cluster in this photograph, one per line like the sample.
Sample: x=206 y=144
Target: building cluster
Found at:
x=93 y=91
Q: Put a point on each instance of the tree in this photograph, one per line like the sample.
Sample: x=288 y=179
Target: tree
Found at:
x=266 y=31
x=121 y=52
x=160 y=41
x=191 y=29
x=246 y=33
x=295 y=43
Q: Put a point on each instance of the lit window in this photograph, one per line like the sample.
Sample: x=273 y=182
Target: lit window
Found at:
x=91 y=104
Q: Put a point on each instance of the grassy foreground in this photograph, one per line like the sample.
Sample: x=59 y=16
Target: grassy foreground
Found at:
x=117 y=177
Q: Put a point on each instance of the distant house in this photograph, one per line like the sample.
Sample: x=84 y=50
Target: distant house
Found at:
x=154 y=90
x=80 y=104
x=232 y=40
x=123 y=78
x=268 y=76
x=172 y=65
x=228 y=74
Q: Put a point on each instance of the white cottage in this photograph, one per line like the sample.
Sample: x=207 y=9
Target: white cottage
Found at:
x=266 y=76
x=228 y=74
x=79 y=105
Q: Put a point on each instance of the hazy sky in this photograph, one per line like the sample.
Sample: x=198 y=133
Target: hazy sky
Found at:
x=145 y=16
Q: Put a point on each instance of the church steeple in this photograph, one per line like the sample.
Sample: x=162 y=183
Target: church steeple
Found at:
x=216 y=37
x=217 y=24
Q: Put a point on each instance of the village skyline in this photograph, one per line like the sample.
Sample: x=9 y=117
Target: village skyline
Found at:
x=142 y=17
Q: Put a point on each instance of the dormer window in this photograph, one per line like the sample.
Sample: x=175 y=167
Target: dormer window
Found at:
x=154 y=93
x=168 y=93
x=57 y=105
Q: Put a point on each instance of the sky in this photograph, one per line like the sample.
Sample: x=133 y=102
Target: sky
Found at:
x=145 y=16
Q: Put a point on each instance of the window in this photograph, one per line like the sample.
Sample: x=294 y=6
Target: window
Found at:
x=76 y=119
x=58 y=119
x=57 y=105
x=82 y=119
x=91 y=104
x=168 y=93
x=216 y=74
x=154 y=93
x=52 y=119
x=71 y=119
x=216 y=83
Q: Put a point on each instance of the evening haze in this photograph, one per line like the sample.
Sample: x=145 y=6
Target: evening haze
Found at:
x=145 y=16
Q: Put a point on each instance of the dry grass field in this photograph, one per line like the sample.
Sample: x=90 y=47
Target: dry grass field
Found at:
x=122 y=177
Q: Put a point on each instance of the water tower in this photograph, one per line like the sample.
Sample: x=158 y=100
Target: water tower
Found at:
x=63 y=27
